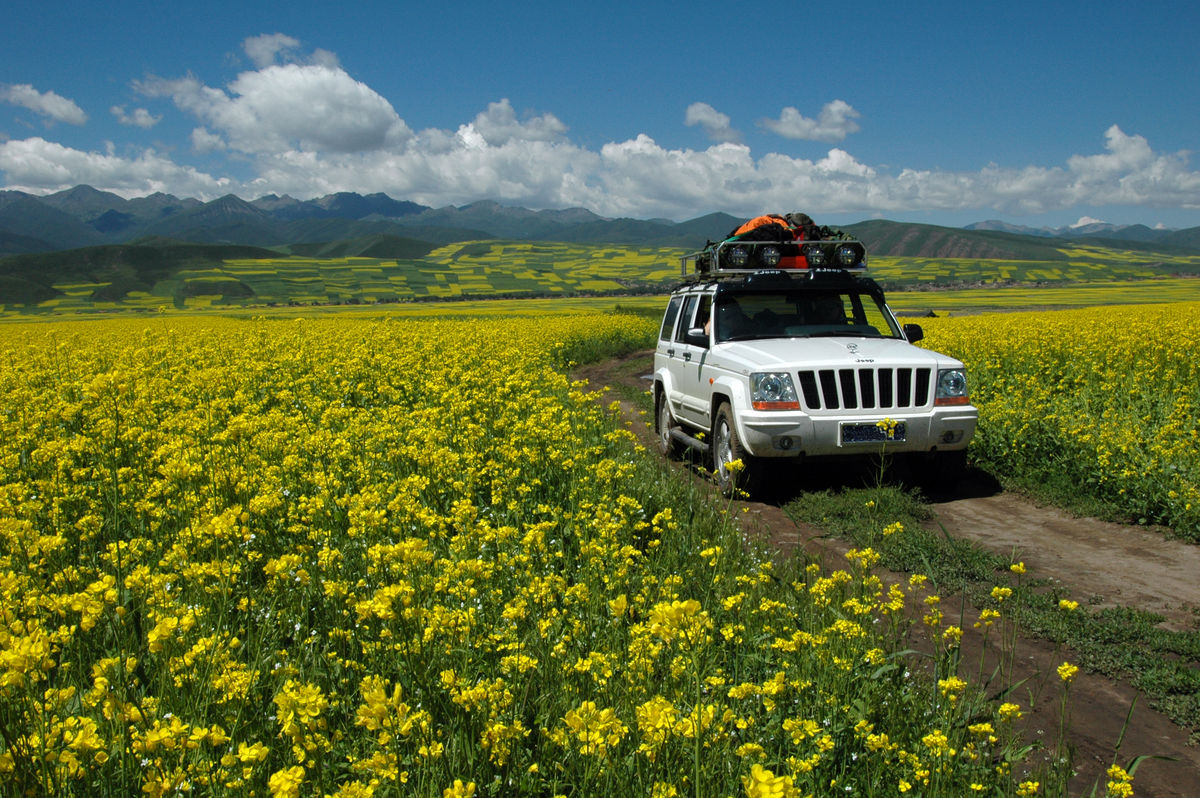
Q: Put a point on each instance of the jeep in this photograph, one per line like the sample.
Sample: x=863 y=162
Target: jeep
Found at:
x=783 y=350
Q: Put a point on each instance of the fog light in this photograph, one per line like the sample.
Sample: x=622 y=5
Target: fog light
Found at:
x=850 y=255
x=783 y=443
x=951 y=436
x=814 y=254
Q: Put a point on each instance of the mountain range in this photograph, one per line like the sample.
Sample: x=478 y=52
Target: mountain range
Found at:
x=85 y=217
x=1084 y=228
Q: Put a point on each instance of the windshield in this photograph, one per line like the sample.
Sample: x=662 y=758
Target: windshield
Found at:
x=801 y=314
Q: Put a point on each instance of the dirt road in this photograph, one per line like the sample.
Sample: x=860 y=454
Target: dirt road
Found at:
x=1112 y=564
x=1102 y=563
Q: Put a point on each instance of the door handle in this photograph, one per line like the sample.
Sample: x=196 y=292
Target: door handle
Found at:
x=687 y=355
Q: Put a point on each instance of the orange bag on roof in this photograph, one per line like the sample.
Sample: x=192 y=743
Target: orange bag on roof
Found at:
x=759 y=221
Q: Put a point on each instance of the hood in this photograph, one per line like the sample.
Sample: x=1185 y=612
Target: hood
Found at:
x=794 y=353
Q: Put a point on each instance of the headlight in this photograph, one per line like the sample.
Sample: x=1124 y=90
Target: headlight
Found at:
x=773 y=390
x=951 y=388
x=770 y=256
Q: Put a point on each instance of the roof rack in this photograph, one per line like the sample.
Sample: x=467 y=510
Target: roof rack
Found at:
x=734 y=257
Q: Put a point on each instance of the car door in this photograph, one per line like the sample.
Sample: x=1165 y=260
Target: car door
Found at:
x=691 y=344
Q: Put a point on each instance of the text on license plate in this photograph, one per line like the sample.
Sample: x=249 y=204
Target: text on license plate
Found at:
x=871 y=433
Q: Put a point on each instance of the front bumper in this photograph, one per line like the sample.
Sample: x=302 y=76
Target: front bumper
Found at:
x=795 y=434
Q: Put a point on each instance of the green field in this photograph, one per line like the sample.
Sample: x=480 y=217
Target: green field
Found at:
x=477 y=270
x=474 y=269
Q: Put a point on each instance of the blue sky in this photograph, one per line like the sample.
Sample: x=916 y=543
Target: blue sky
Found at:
x=949 y=113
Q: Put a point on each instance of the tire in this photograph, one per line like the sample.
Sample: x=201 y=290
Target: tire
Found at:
x=726 y=448
x=663 y=424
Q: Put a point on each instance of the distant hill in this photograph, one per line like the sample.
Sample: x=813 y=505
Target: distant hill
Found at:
x=82 y=217
x=115 y=270
x=929 y=241
x=503 y=221
x=1006 y=227
x=30 y=218
x=20 y=245
x=1109 y=232
x=1189 y=238
x=342 y=205
x=692 y=234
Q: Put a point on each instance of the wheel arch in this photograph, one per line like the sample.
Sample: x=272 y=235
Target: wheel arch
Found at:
x=719 y=397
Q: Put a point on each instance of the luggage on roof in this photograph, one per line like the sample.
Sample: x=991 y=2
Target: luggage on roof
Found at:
x=774 y=241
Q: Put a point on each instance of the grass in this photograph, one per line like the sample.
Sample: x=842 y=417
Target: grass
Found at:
x=1120 y=642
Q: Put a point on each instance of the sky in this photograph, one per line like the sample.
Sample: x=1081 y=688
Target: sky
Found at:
x=1039 y=114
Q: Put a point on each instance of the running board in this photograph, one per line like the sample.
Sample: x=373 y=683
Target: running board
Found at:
x=682 y=437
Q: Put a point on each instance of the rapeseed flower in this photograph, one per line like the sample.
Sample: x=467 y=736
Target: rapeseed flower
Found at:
x=595 y=730
x=1120 y=783
x=344 y=555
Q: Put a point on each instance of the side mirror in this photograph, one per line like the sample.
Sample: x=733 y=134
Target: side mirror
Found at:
x=697 y=337
x=913 y=333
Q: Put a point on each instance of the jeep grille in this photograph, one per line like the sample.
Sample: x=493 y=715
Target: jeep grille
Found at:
x=866 y=388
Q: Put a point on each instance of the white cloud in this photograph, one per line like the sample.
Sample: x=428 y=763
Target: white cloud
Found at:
x=324 y=58
x=532 y=163
x=54 y=107
x=291 y=106
x=439 y=168
x=279 y=48
x=300 y=125
x=498 y=125
x=1125 y=153
x=204 y=141
x=139 y=118
x=37 y=165
x=715 y=124
x=679 y=183
x=265 y=49
x=834 y=123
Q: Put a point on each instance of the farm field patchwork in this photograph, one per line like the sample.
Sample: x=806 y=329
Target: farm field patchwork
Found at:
x=1080 y=264
x=339 y=556
x=469 y=269
x=494 y=269
x=1080 y=295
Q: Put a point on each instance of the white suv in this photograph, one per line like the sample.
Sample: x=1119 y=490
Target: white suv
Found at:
x=756 y=364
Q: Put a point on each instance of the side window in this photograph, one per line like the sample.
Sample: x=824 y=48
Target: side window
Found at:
x=668 y=324
x=704 y=312
x=689 y=306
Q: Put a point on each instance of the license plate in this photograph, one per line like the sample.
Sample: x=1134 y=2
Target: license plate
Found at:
x=871 y=433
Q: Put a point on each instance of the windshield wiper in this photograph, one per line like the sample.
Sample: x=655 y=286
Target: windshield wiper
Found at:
x=848 y=333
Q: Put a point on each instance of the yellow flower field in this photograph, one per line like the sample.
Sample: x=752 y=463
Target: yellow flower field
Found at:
x=352 y=557
x=1105 y=401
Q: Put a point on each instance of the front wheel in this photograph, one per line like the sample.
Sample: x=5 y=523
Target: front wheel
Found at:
x=736 y=472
